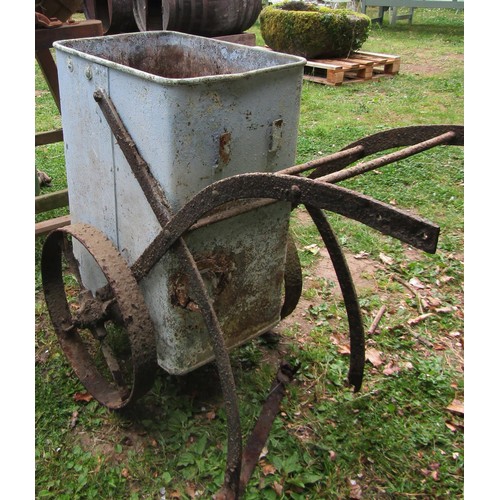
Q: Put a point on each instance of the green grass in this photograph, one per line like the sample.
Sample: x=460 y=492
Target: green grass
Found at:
x=395 y=438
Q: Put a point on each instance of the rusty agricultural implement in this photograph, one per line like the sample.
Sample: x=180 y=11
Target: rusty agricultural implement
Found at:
x=99 y=295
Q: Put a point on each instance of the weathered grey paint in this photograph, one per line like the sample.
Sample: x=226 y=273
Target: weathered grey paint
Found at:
x=199 y=110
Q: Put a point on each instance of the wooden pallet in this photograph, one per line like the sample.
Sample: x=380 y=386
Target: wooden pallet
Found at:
x=358 y=67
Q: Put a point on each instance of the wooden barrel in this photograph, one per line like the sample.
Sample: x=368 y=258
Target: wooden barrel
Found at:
x=151 y=15
x=212 y=17
x=117 y=16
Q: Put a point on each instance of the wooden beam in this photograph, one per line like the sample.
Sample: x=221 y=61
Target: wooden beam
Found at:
x=50 y=137
x=46 y=202
x=47 y=226
x=45 y=37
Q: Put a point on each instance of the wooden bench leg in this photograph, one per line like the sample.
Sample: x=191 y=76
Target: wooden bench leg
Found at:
x=394 y=15
x=410 y=17
x=49 y=70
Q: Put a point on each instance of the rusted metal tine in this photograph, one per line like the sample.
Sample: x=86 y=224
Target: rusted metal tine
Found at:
x=361 y=168
x=260 y=433
x=385 y=218
x=155 y=196
x=351 y=154
x=355 y=320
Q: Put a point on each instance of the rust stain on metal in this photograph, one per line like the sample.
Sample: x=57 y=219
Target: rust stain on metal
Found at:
x=216 y=270
x=225 y=148
x=92 y=314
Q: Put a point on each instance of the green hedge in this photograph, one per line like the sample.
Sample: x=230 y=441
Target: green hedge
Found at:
x=310 y=31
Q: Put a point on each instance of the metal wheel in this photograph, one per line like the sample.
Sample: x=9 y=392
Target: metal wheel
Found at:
x=292 y=279
x=106 y=334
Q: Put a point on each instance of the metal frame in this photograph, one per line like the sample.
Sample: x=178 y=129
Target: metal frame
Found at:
x=121 y=301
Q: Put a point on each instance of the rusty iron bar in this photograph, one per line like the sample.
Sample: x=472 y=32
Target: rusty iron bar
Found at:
x=355 y=320
x=392 y=138
x=385 y=218
x=149 y=185
x=343 y=157
x=388 y=139
x=406 y=136
x=260 y=433
x=163 y=212
x=364 y=167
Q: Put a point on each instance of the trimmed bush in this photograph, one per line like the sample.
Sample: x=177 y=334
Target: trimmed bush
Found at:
x=308 y=30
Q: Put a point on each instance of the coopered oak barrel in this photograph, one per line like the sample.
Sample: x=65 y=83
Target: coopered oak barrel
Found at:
x=213 y=17
x=151 y=15
x=117 y=16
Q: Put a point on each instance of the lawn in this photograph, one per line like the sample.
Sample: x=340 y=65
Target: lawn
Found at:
x=402 y=434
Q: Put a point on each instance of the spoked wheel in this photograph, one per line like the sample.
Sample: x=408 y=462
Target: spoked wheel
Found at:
x=106 y=334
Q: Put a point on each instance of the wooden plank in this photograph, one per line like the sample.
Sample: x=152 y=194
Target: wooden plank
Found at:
x=46 y=226
x=49 y=69
x=45 y=37
x=323 y=81
x=50 y=201
x=242 y=38
x=375 y=55
x=314 y=63
x=42 y=138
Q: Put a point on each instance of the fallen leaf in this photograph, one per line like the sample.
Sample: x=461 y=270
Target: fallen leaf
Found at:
x=314 y=249
x=445 y=310
x=191 y=491
x=391 y=368
x=434 y=301
x=210 y=415
x=83 y=396
x=355 y=492
x=418 y=319
x=125 y=473
x=362 y=255
x=278 y=488
x=267 y=468
x=456 y=406
x=439 y=347
x=74 y=418
x=386 y=259
x=374 y=356
x=451 y=426
x=416 y=283
x=344 y=349
x=175 y=494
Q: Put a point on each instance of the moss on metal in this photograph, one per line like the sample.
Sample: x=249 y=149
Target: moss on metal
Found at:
x=310 y=31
